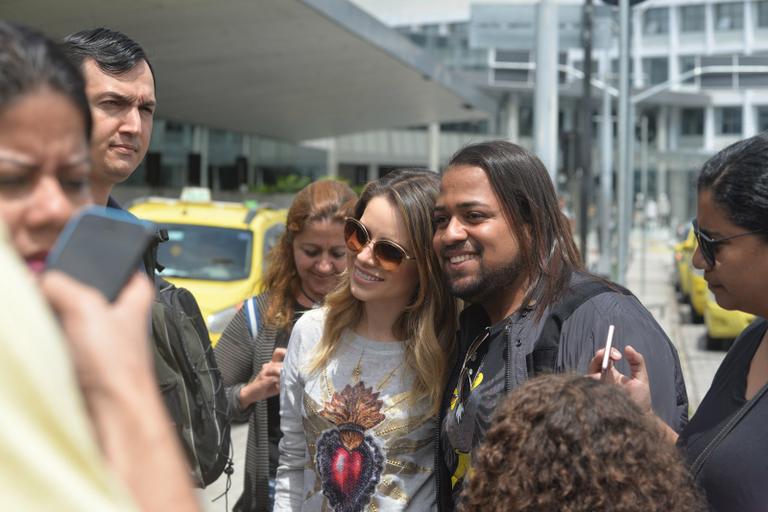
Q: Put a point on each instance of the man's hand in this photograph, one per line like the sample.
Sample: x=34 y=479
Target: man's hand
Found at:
x=267 y=383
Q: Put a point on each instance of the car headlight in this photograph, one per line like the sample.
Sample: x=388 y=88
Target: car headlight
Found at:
x=217 y=322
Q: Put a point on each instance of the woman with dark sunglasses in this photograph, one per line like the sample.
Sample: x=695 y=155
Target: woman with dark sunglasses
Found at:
x=363 y=376
x=726 y=441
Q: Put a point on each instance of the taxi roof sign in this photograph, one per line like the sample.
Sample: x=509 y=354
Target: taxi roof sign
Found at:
x=196 y=195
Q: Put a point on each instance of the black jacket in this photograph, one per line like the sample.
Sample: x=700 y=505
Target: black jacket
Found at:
x=581 y=335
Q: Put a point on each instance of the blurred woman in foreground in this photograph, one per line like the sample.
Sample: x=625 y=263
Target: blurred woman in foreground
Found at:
x=726 y=441
x=45 y=127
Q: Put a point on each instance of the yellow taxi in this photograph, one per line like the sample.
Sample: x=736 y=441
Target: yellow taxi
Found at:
x=683 y=251
x=698 y=294
x=723 y=325
x=693 y=287
x=217 y=250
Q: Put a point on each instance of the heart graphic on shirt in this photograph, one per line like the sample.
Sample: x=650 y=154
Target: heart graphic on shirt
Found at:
x=349 y=461
x=349 y=477
x=345 y=469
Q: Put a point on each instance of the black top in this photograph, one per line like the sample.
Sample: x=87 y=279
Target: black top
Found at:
x=735 y=476
x=505 y=361
x=274 y=434
x=476 y=393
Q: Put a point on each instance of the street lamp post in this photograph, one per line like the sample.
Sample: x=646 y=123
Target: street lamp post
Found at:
x=585 y=139
x=624 y=140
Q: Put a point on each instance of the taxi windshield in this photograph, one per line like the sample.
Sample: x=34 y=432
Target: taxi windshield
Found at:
x=206 y=252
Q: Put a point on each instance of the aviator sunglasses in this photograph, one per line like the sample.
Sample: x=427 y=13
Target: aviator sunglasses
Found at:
x=387 y=253
x=708 y=245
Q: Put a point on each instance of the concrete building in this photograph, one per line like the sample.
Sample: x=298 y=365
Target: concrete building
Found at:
x=242 y=84
x=701 y=79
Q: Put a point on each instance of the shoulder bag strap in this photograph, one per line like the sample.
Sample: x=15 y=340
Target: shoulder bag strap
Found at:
x=252 y=317
x=543 y=358
x=698 y=463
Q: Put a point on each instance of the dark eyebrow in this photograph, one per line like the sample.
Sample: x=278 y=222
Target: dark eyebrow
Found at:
x=24 y=165
x=463 y=206
x=111 y=95
x=84 y=160
x=33 y=166
x=123 y=99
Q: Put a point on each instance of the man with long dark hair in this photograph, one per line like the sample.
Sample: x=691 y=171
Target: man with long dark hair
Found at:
x=506 y=249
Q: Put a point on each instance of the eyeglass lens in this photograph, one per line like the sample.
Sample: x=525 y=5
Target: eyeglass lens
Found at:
x=706 y=245
x=388 y=255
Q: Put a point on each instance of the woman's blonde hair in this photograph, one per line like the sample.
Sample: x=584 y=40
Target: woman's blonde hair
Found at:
x=321 y=200
x=428 y=324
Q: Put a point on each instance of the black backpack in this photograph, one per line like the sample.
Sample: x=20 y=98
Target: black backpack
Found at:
x=189 y=379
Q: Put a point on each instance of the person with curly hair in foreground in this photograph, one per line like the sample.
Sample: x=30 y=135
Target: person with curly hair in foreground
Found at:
x=570 y=443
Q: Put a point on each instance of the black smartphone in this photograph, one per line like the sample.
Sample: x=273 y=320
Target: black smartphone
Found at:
x=101 y=247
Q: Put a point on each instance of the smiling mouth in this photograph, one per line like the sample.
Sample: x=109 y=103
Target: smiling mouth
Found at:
x=365 y=276
x=455 y=260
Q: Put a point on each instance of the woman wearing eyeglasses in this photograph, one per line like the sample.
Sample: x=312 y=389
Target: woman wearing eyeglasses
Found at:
x=363 y=376
x=726 y=441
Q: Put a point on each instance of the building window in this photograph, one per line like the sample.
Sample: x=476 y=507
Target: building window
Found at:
x=729 y=17
x=762 y=119
x=656 y=21
x=692 y=121
x=728 y=120
x=692 y=18
x=525 y=121
x=655 y=70
x=762 y=14
x=687 y=63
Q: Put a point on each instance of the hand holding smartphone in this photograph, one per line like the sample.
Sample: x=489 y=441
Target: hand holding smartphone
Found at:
x=607 y=353
x=101 y=247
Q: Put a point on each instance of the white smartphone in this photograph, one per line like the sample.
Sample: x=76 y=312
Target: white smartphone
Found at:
x=607 y=354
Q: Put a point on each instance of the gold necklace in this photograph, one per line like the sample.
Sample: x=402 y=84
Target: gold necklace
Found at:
x=357 y=372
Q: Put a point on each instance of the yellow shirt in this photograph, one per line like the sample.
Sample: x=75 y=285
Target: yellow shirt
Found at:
x=49 y=458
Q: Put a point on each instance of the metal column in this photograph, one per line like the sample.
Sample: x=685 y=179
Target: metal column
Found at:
x=624 y=136
x=545 y=93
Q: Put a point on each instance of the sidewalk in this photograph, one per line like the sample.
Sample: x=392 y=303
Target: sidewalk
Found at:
x=652 y=281
x=650 y=276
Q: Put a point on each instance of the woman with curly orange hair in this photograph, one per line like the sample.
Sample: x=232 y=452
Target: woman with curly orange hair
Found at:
x=303 y=267
x=574 y=444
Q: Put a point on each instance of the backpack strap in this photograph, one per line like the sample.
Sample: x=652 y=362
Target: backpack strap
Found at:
x=543 y=358
x=252 y=317
x=150 y=255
